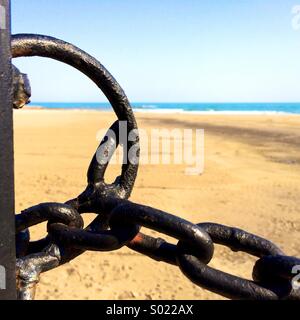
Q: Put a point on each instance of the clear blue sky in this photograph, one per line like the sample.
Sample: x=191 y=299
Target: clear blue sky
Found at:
x=168 y=50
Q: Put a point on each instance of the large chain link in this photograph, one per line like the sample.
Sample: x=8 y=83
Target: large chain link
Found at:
x=118 y=220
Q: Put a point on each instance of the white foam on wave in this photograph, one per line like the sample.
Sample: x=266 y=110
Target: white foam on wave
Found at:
x=214 y=112
x=147 y=106
x=159 y=110
x=154 y=109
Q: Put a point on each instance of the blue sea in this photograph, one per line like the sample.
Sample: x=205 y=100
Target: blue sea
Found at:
x=206 y=108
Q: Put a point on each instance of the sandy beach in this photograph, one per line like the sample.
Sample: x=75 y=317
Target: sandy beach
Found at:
x=250 y=180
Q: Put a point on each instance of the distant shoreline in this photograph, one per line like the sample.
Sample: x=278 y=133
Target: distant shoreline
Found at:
x=168 y=111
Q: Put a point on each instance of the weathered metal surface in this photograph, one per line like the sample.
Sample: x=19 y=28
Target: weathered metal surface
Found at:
x=25 y=45
x=21 y=88
x=60 y=232
x=7 y=224
x=30 y=268
x=118 y=220
x=226 y=284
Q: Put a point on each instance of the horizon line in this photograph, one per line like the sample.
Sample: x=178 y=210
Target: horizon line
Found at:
x=172 y=102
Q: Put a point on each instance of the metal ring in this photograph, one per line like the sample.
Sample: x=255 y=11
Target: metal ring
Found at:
x=51 y=212
x=191 y=235
x=225 y=284
x=240 y=240
x=106 y=240
x=97 y=189
x=220 y=282
x=25 y=45
x=269 y=268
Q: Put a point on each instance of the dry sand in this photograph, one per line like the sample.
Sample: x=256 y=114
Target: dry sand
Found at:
x=251 y=180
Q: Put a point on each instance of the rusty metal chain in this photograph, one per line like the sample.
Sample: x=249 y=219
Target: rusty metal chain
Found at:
x=119 y=220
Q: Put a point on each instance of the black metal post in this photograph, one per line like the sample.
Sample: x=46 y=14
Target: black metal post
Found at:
x=7 y=220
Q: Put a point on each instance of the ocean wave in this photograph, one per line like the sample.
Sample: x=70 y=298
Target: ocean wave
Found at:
x=188 y=108
x=214 y=112
x=160 y=110
x=146 y=106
